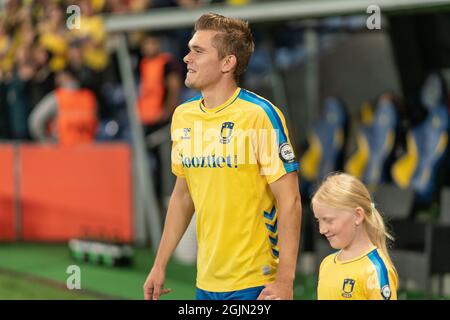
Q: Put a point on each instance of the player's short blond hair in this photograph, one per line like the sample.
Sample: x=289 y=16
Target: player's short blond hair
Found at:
x=234 y=37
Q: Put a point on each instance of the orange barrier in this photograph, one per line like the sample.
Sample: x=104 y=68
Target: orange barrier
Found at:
x=7 y=215
x=76 y=192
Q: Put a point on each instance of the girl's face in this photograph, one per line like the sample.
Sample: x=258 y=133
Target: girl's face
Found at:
x=337 y=225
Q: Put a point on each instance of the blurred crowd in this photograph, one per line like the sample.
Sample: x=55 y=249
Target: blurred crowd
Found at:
x=37 y=42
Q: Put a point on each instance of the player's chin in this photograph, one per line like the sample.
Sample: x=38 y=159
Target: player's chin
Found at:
x=332 y=245
x=335 y=244
x=190 y=85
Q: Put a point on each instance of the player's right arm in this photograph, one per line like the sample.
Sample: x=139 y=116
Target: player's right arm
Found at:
x=179 y=215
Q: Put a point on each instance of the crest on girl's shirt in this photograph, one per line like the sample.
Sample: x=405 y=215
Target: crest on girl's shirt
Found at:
x=347 y=288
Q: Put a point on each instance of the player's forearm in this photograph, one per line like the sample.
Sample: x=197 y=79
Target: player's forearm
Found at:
x=289 y=223
x=179 y=215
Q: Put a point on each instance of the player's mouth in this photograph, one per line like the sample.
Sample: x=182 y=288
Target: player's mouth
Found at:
x=189 y=70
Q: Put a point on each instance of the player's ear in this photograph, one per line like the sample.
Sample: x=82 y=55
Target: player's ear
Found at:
x=229 y=63
x=359 y=216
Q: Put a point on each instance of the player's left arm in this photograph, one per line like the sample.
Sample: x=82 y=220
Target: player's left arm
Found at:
x=286 y=192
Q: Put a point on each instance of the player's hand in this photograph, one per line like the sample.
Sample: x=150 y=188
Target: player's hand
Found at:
x=154 y=284
x=277 y=291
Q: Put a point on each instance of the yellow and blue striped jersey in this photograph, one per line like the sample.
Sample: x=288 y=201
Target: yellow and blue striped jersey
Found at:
x=229 y=155
x=367 y=277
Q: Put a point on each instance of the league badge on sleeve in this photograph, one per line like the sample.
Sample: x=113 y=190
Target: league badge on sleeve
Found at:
x=286 y=153
x=386 y=292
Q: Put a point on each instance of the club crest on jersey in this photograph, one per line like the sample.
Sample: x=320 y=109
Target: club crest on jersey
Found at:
x=386 y=292
x=226 y=131
x=347 y=288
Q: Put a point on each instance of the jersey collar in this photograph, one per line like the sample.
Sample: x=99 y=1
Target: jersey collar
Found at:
x=223 y=106
x=337 y=261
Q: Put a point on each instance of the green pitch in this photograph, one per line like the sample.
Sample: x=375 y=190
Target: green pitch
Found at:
x=38 y=271
x=37 y=263
x=13 y=287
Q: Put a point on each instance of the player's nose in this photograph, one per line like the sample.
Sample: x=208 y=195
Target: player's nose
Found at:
x=186 y=58
x=322 y=229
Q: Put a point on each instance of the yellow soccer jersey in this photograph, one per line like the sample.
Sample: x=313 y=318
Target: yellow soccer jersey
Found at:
x=367 y=277
x=229 y=155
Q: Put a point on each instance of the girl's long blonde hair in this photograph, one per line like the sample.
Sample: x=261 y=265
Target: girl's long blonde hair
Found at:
x=344 y=191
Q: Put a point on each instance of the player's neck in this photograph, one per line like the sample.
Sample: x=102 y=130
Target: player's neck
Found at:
x=218 y=94
x=361 y=244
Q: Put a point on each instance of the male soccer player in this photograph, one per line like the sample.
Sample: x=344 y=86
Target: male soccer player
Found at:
x=236 y=169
